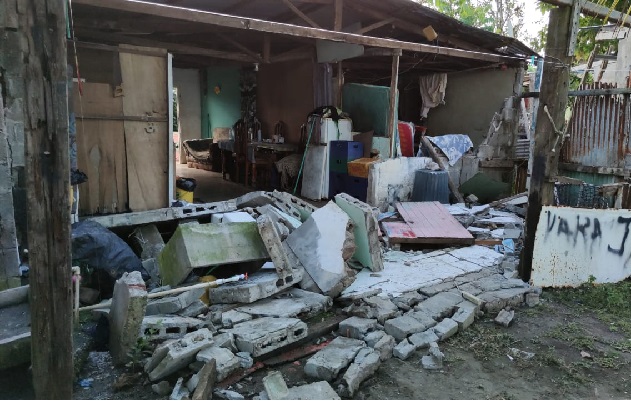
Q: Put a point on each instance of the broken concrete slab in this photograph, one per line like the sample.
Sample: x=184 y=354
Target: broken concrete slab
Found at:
x=232 y=317
x=494 y=301
x=403 y=350
x=174 y=355
x=225 y=340
x=245 y=359
x=440 y=305
x=321 y=390
x=261 y=336
x=227 y=395
x=159 y=327
x=147 y=241
x=327 y=363
x=127 y=311
x=280 y=217
x=357 y=327
x=179 y=391
x=319 y=244
x=505 y=317
x=292 y=303
x=226 y=362
x=464 y=317
x=532 y=299
x=423 y=318
x=15 y=350
x=196 y=245
x=382 y=309
x=272 y=240
x=401 y=327
x=434 y=360
x=253 y=199
x=424 y=339
x=385 y=346
x=171 y=305
x=366 y=229
x=195 y=309
x=286 y=201
x=259 y=285
x=206 y=381
x=163 y=388
x=365 y=365
x=275 y=386
x=446 y=328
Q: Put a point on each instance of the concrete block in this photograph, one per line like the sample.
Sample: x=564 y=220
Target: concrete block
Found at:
x=147 y=241
x=202 y=245
x=206 y=381
x=167 y=327
x=495 y=301
x=245 y=359
x=129 y=302
x=434 y=360
x=237 y=217
x=14 y=296
x=171 y=305
x=401 y=327
x=319 y=243
x=365 y=365
x=193 y=310
x=382 y=308
x=281 y=218
x=440 y=305
x=403 y=350
x=259 y=285
x=373 y=337
x=163 y=388
x=467 y=305
x=327 y=363
x=532 y=299
x=423 y=318
x=292 y=303
x=424 y=339
x=192 y=383
x=446 y=328
x=505 y=318
x=321 y=390
x=464 y=317
x=437 y=288
x=15 y=350
x=225 y=340
x=226 y=362
x=291 y=204
x=357 y=327
x=272 y=240
x=260 y=336
x=232 y=317
x=410 y=299
x=385 y=347
x=275 y=386
x=254 y=199
x=368 y=250
x=177 y=354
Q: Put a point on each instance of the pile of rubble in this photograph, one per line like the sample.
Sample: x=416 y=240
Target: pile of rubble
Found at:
x=307 y=258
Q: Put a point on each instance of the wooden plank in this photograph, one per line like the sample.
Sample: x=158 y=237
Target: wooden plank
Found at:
x=429 y=223
x=229 y=21
x=145 y=93
x=596 y=10
x=101 y=151
x=394 y=91
x=339 y=13
x=299 y=13
x=374 y=26
x=255 y=56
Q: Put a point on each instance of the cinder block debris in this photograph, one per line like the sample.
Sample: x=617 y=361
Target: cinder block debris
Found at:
x=327 y=363
x=275 y=386
x=440 y=305
x=446 y=328
x=167 y=327
x=226 y=362
x=357 y=327
x=292 y=303
x=321 y=390
x=381 y=308
x=194 y=310
x=171 y=305
x=232 y=317
x=404 y=349
x=385 y=347
x=225 y=340
x=126 y=314
x=424 y=339
x=505 y=317
x=273 y=243
x=401 y=327
x=373 y=337
x=532 y=299
x=245 y=359
x=179 y=391
x=227 y=395
x=259 y=285
x=206 y=381
x=261 y=336
x=464 y=317
x=434 y=360
x=494 y=301
x=365 y=365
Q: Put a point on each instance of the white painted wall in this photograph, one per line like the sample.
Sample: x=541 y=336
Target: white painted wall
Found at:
x=187 y=82
x=572 y=244
x=393 y=180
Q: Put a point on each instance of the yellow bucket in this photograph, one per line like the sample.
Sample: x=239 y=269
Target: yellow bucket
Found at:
x=186 y=196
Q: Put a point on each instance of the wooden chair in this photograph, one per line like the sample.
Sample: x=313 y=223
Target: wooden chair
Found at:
x=240 y=152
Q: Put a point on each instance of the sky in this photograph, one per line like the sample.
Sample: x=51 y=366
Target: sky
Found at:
x=533 y=19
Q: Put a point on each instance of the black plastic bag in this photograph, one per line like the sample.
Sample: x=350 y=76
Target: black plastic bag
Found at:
x=187 y=184
x=100 y=249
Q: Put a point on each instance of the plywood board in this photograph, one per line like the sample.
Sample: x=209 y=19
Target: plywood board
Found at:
x=101 y=150
x=313 y=172
x=427 y=223
x=147 y=144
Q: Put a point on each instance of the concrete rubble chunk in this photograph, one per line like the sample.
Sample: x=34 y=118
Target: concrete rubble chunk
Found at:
x=437 y=288
x=171 y=305
x=532 y=299
x=261 y=336
x=494 y=301
x=275 y=386
x=373 y=337
x=410 y=299
x=357 y=327
x=292 y=303
x=281 y=218
x=225 y=340
x=167 y=327
x=401 y=327
x=232 y=317
x=424 y=339
x=423 y=318
x=321 y=390
x=446 y=328
x=327 y=363
x=403 y=350
x=245 y=359
x=226 y=362
x=174 y=355
x=272 y=240
x=192 y=383
x=202 y=245
x=285 y=200
x=259 y=285
x=382 y=308
x=206 y=381
x=227 y=395
x=385 y=347
x=253 y=199
x=467 y=305
x=464 y=317
x=319 y=245
x=195 y=309
x=162 y=388
x=148 y=241
x=368 y=250
x=434 y=359
x=129 y=302
x=440 y=305
x=179 y=391
x=365 y=365
x=505 y=317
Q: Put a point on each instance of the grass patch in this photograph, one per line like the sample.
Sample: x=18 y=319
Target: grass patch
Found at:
x=485 y=341
x=570 y=373
x=574 y=335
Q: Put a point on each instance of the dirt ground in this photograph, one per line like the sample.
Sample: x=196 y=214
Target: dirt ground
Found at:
x=579 y=353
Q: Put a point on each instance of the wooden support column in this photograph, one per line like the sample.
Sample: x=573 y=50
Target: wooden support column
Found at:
x=48 y=202
x=339 y=12
x=554 y=97
x=267 y=48
x=392 y=110
x=340 y=85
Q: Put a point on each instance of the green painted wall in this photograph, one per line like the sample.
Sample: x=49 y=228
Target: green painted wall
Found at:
x=224 y=109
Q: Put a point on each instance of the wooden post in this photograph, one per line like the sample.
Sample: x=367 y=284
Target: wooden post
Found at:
x=392 y=111
x=48 y=202
x=554 y=95
x=339 y=10
x=340 y=85
x=267 y=47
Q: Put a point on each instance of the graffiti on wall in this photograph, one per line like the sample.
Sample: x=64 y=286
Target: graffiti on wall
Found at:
x=572 y=244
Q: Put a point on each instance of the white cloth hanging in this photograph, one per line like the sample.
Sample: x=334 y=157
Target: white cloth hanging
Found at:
x=433 y=89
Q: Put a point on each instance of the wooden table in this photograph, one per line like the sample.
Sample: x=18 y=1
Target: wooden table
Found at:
x=274 y=151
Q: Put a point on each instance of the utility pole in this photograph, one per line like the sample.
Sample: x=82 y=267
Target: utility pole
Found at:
x=553 y=100
x=43 y=23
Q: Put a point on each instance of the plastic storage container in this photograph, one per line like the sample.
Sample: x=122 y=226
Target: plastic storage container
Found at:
x=360 y=167
x=431 y=186
x=341 y=152
x=357 y=187
x=337 y=183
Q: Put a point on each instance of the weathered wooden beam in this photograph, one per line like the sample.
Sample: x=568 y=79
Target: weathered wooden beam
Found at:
x=374 y=26
x=299 y=13
x=255 y=56
x=595 y=10
x=267 y=47
x=300 y=53
x=46 y=138
x=394 y=92
x=230 y=21
x=339 y=15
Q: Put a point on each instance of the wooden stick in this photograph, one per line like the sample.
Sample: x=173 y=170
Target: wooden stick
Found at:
x=392 y=110
x=432 y=152
x=174 y=291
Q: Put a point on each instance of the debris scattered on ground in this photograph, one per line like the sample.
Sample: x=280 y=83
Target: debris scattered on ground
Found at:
x=505 y=317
